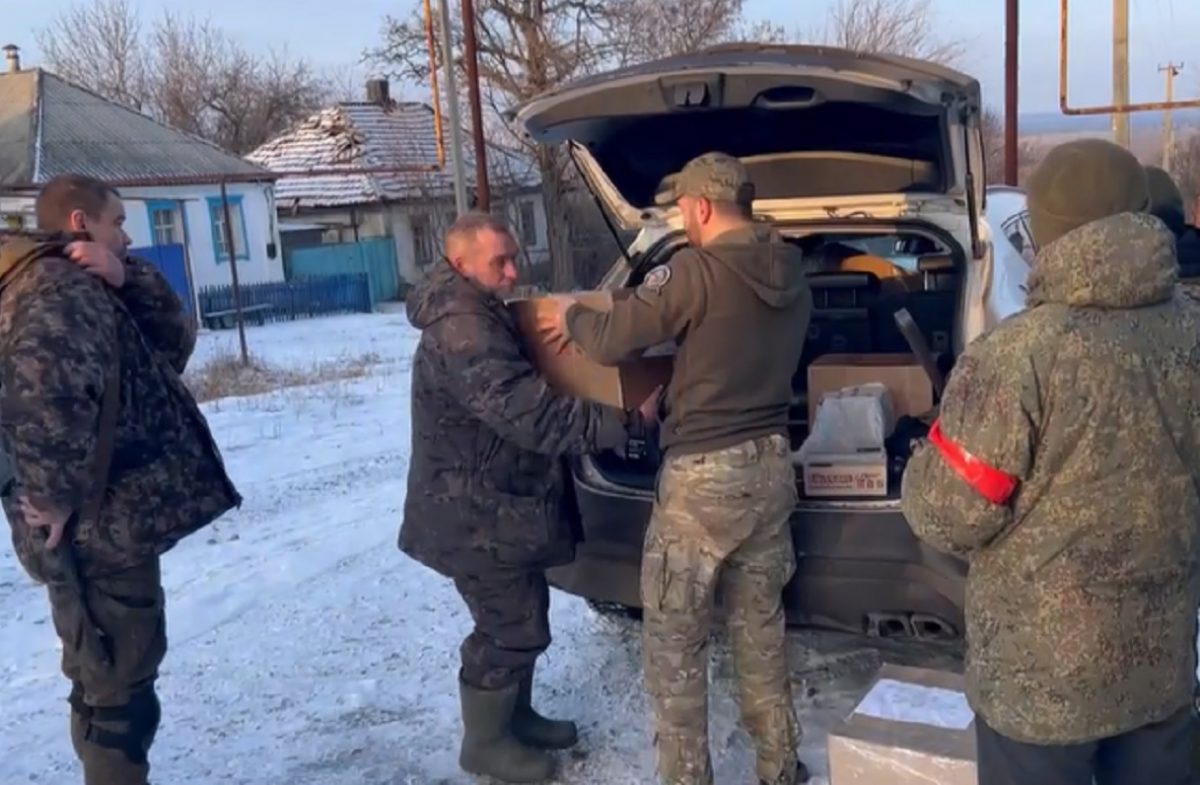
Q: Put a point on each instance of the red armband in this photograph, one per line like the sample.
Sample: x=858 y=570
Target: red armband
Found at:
x=991 y=483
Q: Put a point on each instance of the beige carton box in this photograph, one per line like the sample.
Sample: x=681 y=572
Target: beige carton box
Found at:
x=913 y=727
x=571 y=373
x=910 y=389
x=862 y=474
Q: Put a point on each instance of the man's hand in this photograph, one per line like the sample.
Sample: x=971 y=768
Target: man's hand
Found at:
x=53 y=520
x=649 y=407
x=99 y=261
x=552 y=322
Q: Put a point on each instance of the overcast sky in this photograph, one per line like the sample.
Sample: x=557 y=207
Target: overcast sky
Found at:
x=335 y=34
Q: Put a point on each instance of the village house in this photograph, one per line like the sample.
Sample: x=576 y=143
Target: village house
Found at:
x=411 y=206
x=170 y=180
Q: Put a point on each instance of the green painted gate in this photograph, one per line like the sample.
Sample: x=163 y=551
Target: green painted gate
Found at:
x=376 y=257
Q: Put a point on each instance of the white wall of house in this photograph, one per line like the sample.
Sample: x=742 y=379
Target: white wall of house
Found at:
x=254 y=223
x=339 y=222
x=417 y=229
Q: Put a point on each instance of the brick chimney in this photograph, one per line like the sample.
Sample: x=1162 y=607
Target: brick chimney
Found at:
x=12 y=56
x=378 y=92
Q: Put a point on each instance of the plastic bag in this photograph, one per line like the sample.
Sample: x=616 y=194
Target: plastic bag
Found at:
x=851 y=420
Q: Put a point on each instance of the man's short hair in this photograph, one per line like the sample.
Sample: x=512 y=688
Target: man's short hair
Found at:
x=470 y=224
x=67 y=193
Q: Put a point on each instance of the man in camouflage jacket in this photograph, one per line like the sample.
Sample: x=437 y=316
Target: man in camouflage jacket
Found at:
x=1066 y=467
x=485 y=490
x=79 y=326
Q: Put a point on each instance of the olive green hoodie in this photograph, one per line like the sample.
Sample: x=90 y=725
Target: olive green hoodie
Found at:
x=739 y=308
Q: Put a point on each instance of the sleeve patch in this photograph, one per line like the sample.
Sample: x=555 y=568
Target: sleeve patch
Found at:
x=657 y=278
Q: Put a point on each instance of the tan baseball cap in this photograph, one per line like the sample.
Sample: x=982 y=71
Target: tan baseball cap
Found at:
x=715 y=176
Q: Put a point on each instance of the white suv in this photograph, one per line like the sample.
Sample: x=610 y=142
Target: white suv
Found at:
x=852 y=156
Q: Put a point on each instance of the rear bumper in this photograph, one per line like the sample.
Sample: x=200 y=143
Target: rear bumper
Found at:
x=858 y=569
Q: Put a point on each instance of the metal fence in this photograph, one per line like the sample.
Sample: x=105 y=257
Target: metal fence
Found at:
x=375 y=256
x=302 y=298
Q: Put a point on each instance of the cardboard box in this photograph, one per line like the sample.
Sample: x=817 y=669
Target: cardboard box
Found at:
x=848 y=475
x=910 y=388
x=913 y=727
x=571 y=373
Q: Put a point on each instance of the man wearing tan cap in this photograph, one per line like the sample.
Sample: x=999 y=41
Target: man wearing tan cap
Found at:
x=738 y=303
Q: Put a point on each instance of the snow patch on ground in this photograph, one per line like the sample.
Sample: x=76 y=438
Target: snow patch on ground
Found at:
x=306 y=650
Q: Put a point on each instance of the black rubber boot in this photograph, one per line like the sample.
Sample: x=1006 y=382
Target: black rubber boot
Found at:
x=537 y=731
x=489 y=748
x=801 y=776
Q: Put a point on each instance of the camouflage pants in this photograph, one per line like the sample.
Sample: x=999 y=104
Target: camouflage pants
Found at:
x=511 y=610
x=114 y=707
x=720 y=525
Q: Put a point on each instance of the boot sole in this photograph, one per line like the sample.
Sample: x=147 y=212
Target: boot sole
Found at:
x=480 y=770
x=548 y=746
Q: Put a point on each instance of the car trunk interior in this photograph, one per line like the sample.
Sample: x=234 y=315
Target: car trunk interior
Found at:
x=831 y=149
x=860 y=278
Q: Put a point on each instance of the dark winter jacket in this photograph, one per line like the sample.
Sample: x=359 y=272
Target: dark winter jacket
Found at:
x=1083 y=586
x=485 y=485
x=61 y=331
x=1187 y=244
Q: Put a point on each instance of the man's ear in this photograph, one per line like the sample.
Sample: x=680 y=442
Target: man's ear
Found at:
x=77 y=221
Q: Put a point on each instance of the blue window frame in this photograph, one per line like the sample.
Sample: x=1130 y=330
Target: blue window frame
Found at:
x=216 y=216
x=166 y=222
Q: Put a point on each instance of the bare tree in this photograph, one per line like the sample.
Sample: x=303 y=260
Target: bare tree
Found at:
x=899 y=27
x=649 y=29
x=1028 y=153
x=185 y=71
x=99 y=46
x=526 y=48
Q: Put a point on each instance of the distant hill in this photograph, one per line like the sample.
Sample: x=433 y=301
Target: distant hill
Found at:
x=1041 y=123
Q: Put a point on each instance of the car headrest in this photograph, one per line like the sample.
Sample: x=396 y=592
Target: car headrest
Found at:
x=936 y=263
x=842 y=280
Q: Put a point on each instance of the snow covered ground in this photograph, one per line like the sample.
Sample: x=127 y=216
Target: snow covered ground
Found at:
x=306 y=650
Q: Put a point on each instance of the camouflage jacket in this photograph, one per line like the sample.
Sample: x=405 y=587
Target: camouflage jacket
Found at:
x=61 y=329
x=1083 y=587
x=485 y=485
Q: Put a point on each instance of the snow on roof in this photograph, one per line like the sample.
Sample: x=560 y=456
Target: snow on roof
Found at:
x=357 y=135
x=49 y=126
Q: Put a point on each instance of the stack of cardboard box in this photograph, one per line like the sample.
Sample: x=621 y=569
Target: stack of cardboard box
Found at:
x=861 y=473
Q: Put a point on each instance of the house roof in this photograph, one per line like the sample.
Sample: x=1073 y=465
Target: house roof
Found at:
x=49 y=126
x=358 y=135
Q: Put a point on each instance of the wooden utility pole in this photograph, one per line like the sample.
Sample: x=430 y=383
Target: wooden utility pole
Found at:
x=1121 y=71
x=471 y=53
x=1012 y=132
x=233 y=273
x=1171 y=70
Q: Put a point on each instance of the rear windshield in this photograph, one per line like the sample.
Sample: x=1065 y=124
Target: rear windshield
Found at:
x=833 y=149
